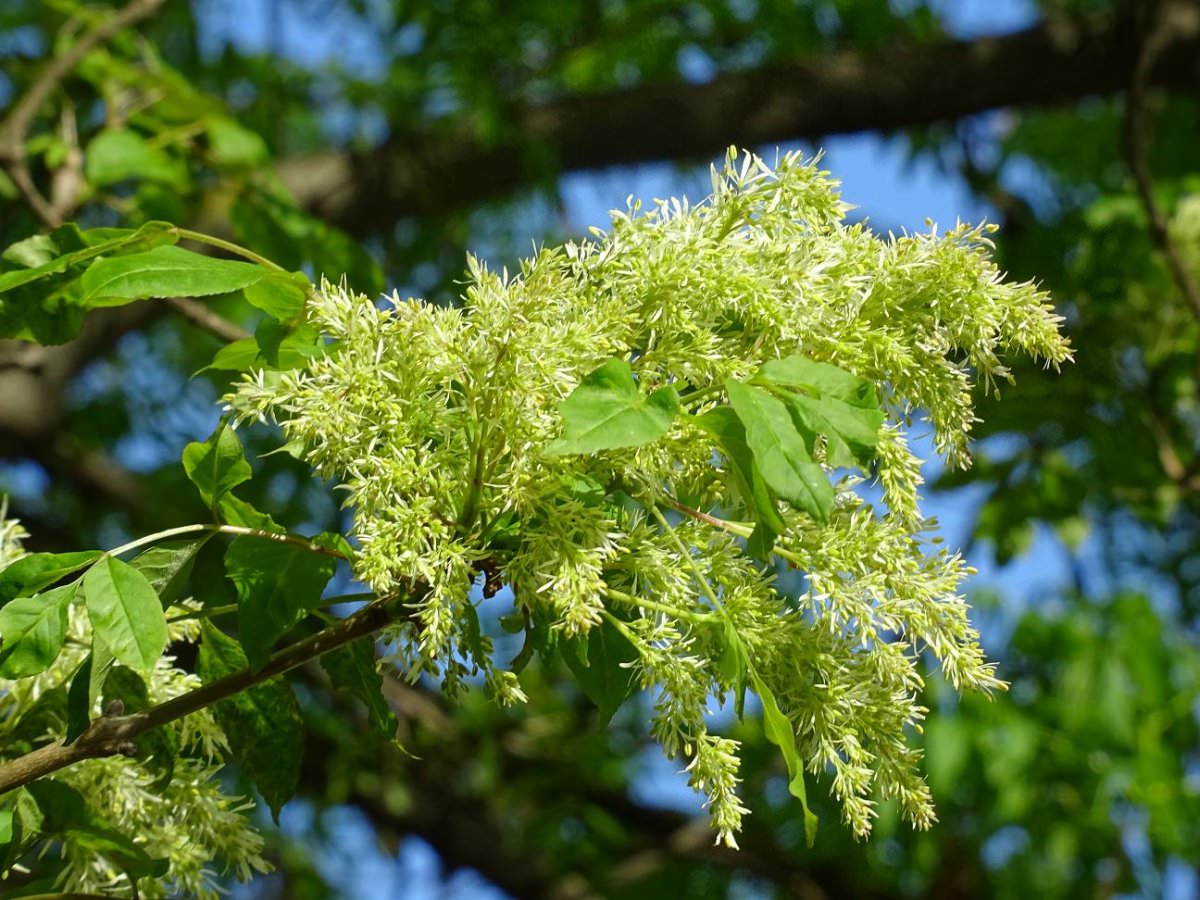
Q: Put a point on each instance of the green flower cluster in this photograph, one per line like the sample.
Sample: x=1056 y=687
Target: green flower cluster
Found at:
x=440 y=425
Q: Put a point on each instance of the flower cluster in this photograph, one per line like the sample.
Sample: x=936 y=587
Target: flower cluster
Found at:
x=436 y=423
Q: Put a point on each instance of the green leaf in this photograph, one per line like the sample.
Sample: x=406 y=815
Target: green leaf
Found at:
x=33 y=630
x=262 y=723
x=61 y=805
x=112 y=845
x=164 y=272
x=277 y=584
x=734 y=665
x=232 y=145
x=851 y=432
x=723 y=424
x=217 y=465
x=102 y=661
x=236 y=511
x=10 y=281
x=830 y=401
x=332 y=540
x=779 y=450
x=119 y=154
x=125 y=612
x=279 y=295
x=779 y=731
x=352 y=668
x=79 y=705
x=26 y=824
x=168 y=565
x=31 y=573
x=607 y=411
x=273 y=346
x=821 y=379
x=597 y=661
x=44 y=716
x=32 y=252
x=238 y=356
x=45 y=303
x=6 y=825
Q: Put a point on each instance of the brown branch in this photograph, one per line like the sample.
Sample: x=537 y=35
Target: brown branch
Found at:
x=1057 y=61
x=199 y=314
x=1165 y=22
x=111 y=735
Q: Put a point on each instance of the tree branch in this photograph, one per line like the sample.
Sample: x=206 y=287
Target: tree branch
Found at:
x=114 y=734
x=199 y=314
x=1056 y=61
x=15 y=126
x=1164 y=22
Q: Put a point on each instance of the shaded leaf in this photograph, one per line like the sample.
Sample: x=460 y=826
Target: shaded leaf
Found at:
x=279 y=295
x=851 y=432
x=168 y=565
x=158 y=747
x=598 y=662
x=733 y=665
x=79 y=706
x=352 y=668
x=277 y=584
x=262 y=723
x=723 y=424
x=285 y=348
x=64 y=811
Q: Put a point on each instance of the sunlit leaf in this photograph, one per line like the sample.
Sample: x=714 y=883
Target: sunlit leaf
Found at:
x=607 y=411
x=33 y=630
x=164 y=272
x=125 y=612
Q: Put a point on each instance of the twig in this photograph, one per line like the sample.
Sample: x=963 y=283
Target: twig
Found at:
x=16 y=124
x=199 y=314
x=1159 y=31
x=112 y=735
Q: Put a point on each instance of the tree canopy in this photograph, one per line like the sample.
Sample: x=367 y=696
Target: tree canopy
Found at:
x=458 y=564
